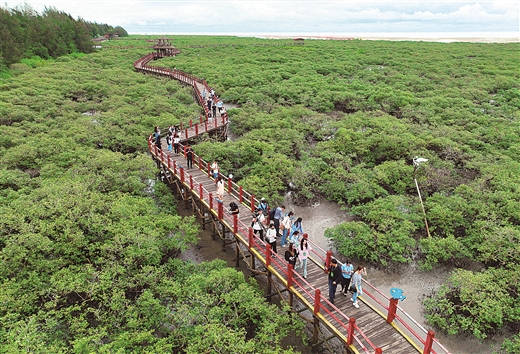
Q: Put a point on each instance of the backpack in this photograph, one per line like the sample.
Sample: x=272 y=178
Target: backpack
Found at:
x=271 y=214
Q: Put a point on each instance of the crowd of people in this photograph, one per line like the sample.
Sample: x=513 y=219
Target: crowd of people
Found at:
x=271 y=224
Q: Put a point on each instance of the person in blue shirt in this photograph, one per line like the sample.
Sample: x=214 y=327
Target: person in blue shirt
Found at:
x=297 y=226
x=278 y=215
x=346 y=271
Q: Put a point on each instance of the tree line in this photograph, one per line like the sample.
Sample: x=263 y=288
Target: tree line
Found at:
x=26 y=33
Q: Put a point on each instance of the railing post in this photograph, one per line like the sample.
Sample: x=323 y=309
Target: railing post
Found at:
x=351 y=328
x=175 y=167
x=180 y=126
x=211 y=201
x=191 y=182
x=250 y=237
x=216 y=122
x=290 y=271
x=155 y=150
x=240 y=194
x=209 y=170
x=169 y=162
x=220 y=210
x=317 y=299
x=182 y=174
x=206 y=125
x=229 y=185
x=392 y=309
x=429 y=342
x=197 y=129
x=201 y=192
x=379 y=351
x=186 y=133
x=200 y=119
x=235 y=223
x=200 y=162
x=268 y=255
x=252 y=202
x=191 y=123
x=328 y=258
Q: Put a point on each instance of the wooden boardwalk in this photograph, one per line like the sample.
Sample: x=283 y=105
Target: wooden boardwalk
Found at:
x=363 y=330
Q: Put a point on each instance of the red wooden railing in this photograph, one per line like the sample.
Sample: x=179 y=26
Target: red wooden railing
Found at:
x=279 y=266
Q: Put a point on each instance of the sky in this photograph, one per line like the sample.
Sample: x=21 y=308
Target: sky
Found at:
x=290 y=16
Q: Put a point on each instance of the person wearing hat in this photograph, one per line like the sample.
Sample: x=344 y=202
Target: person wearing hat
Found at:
x=263 y=206
x=271 y=236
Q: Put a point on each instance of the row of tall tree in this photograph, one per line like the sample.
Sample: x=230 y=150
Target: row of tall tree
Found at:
x=25 y=33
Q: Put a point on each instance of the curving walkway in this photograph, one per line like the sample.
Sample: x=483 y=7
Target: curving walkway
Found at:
x=378 y=326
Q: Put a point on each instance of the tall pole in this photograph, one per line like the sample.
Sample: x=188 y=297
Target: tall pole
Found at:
x=420 y=198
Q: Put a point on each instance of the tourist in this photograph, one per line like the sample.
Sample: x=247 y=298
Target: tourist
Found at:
x=176 y=143
x=157 y=137
x=271 y=236
x=305 y=250
x=263 y=206
x=291 y=255
x=258 y=219
x=189 y=157
x=356 y=282
x=214 y=109
x=286 y=225
x=346 y=271
x=297 y=226
x=214 y=170
x=277 y=216
x=334 y=275
x=220 y=188
x=169 y=141
x=220 y=105
x=233 y=208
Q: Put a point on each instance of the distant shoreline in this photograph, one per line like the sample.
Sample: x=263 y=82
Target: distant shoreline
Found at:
x=446 y=39
x=439 y=37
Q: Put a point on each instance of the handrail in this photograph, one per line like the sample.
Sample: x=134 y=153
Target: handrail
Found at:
x=247 y=238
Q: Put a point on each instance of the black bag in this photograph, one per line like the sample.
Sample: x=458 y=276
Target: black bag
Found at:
x=271 y=214
x=353 y=288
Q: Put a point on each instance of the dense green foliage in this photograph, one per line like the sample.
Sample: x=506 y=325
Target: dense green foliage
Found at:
x=342 y=120
x=88 y=239
x=26 y=34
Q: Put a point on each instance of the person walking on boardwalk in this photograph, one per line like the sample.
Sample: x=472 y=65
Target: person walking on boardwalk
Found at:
x=287 y=222
x=157 y=137
x=214 y=170
x=334 y=276
x=271 y=236
x=189 y=157
x=356 y=281
x=278 y=215
x=291 y=255
x=258 y=219
x=176 y=143
x=220 y=188
x=263 y=206
x=305 y=249
x=169 y=141
x=346 y=271
x=297 y=226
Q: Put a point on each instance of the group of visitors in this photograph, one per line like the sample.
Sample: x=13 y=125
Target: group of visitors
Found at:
x=172 y=138
x=349 y=279
x=213 y=103
x=277 y=224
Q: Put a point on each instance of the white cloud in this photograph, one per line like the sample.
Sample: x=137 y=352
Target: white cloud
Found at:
x=293 y=16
